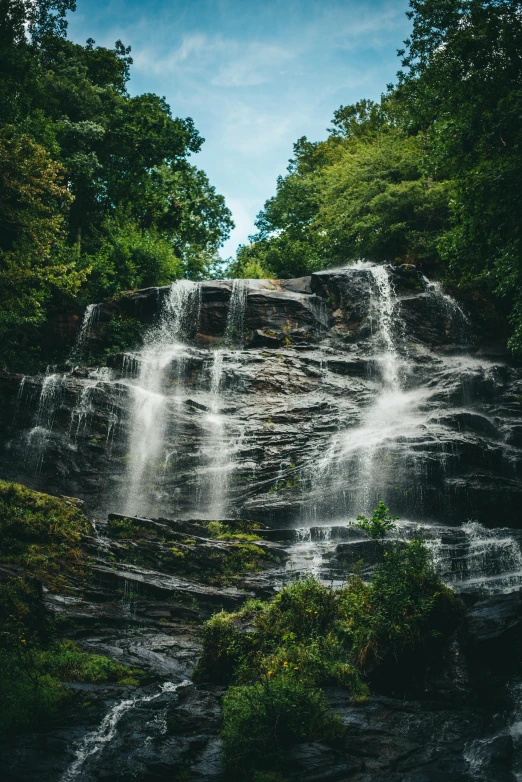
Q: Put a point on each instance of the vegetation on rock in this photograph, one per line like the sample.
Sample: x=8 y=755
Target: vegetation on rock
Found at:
x=41 y=538
x=42 y=534
x=281 y=652
x=162 y=546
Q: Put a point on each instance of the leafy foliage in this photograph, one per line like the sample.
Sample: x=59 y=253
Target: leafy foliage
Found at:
x=428 y=175
x=380 y=523
x=277 y=654
x=262 y=720
x=462 y=80
x=98 y=194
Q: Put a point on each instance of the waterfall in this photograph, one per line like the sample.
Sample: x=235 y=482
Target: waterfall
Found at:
x=94 y=742
x=220 y=444
x=156 y=409
x=480 y=560
x=150 y=404
x=352 y=458
x=378 y=458
x=215 y=448
x=384 y=308
x=53 y=384
x=456 y=319
x=90 y=317
x=236 y=313
x=38 y=436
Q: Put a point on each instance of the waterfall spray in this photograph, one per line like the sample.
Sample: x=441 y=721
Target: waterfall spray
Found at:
x=164 y=347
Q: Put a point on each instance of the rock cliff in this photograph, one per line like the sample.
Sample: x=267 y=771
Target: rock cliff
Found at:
x=277 y=410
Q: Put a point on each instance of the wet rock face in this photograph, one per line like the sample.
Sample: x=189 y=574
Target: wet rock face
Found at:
x=321 y=397
x=441 y=712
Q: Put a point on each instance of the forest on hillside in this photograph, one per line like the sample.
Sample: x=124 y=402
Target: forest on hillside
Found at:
x=99 y=194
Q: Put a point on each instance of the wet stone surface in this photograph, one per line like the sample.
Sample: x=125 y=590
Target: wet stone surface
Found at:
x=295 y=404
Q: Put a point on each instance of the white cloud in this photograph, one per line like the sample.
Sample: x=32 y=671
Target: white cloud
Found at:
x=226 y=62
x=254 y=64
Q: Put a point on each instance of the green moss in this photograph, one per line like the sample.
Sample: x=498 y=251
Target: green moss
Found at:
x=66 y=662
x=245 y=536
x=42 y=533
x=127 y=527
x=191 y=557
x=233 y=528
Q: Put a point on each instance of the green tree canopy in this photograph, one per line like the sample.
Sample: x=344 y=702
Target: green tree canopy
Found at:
x=99 y=194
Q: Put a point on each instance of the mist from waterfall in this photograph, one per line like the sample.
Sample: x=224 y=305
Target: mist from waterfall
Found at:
x=369 y=462
x=158 y=393
x=163 y=349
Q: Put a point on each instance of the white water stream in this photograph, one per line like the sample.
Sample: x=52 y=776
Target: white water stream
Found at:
x=156 y=406
x=94 y=742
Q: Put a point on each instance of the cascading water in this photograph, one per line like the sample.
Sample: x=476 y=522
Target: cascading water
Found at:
x=90 y=317
x=214 y=448
x=53 y=383
x=159 y=417
x=236 y=313
x=94 y=742
x=38 y=436
x=354 y=458
x=220 y=446
x=150 y=404
x=386 y=455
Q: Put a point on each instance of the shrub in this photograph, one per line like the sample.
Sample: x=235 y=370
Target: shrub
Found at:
x=263 y=719
x=379 y=525
x=278 y=653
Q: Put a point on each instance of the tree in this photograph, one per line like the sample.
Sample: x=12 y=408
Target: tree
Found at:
x=377 y=203
x=462 y=82
x=363 y=192
x=33 y=204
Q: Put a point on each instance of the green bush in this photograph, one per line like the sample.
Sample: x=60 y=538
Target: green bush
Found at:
x=130 y=257
x=263 y=719
x=277 y=654
x=379 y=525
x=27 y=698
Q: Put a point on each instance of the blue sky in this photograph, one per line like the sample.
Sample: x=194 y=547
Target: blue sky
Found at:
x=254 y=76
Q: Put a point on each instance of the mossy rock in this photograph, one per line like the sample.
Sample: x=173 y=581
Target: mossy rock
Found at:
x=42 y=534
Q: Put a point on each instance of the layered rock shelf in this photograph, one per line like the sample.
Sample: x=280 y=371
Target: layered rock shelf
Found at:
x=284 y=432
x=221 y=453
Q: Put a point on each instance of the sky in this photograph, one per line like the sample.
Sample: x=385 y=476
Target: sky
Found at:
x=254 y=76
